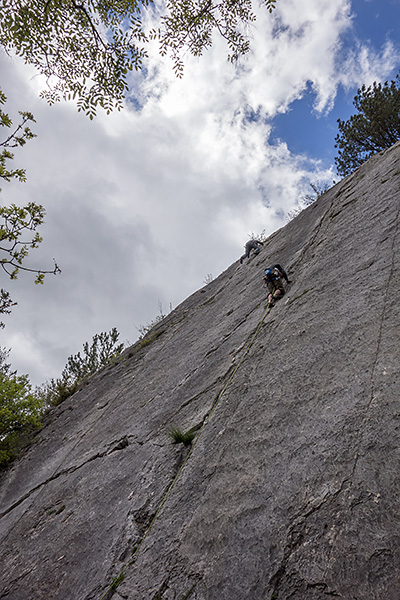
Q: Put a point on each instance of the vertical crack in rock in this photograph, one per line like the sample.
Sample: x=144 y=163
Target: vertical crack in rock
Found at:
x=137 y=526
x=379 y=336
x=315 y=233
x=143 y=519
x=297 y=537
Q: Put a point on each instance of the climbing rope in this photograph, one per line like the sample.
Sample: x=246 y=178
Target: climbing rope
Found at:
x=120 y=577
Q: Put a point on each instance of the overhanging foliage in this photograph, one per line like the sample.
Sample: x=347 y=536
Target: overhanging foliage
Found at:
x=86 y=48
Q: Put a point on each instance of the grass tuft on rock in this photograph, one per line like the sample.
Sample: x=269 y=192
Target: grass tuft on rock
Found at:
x=180 y=437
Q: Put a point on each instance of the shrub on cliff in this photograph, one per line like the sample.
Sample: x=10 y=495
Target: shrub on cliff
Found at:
x=181 y=437
x=103 y=349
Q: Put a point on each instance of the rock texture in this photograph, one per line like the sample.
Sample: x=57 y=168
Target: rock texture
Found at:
x=291 y=488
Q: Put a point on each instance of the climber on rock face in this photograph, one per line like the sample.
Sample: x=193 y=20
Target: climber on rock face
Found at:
x=273 y=282
x=251 y=245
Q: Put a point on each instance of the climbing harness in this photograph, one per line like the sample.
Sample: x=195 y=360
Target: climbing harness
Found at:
x=171 y=486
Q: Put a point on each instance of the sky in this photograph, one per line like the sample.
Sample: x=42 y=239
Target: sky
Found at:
x=145 y=204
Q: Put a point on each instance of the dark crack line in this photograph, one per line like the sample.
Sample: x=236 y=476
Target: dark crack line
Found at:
x=219 y=377
x=378 y=344
x=205 y=391
x=5 y=592
x=295 y=539
x=49 y=480
x=237 y=326
x=233 y=369
x=115 y=446
x=144 y=520
x=342 y=190
x=311 y=242
x=55 y=473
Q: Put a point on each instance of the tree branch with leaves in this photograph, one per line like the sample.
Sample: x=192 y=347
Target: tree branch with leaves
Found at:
x=87 y=48
x=14 y=250
x=189 y=25
x=17 y=222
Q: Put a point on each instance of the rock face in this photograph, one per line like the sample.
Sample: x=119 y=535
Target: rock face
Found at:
x=291 y=488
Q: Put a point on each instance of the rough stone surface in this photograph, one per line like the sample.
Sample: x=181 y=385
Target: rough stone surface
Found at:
x=292 y=487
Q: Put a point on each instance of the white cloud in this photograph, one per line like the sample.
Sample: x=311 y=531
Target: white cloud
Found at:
x=143 y=204
x=365 y=65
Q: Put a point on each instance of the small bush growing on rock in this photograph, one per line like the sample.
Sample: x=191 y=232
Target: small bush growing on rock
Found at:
x=180 y=437
x=261 y=237
x=145 y=329
x=318 y=190
x=147 y=340
x=117 y=581
x=100 y=353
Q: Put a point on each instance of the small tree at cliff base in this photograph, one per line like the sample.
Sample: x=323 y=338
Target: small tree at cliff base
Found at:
x=374 y=128
x=20 y=410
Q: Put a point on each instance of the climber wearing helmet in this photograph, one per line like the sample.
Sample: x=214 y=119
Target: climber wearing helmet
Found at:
x=273 y=282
